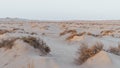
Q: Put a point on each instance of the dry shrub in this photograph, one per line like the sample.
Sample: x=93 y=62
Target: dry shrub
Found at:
x=33 y=33
x=8 y=43
x=68 y=31
x=83 y=33
x=37 y=43
x=3 y=31
x=114 y=50
x=63 y=26
x=72 y=31
x=14 y=29
x=94 y=35
x=107 y=32
x=86 y=52
x=73 y=35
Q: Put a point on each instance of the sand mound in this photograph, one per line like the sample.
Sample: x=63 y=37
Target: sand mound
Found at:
x=22 y=55
x=100 y=60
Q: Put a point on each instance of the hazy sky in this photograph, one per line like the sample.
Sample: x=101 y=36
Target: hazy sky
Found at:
x=61 y=9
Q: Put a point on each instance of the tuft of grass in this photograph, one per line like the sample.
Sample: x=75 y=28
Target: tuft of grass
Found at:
x=68 y=31
x=86 y=52
x=114 y=50
x=37 y=43
x=71 y=36
x=8 y=43
x=3 y=31
x=94 y=35
x=75 y=34
x=107 y=32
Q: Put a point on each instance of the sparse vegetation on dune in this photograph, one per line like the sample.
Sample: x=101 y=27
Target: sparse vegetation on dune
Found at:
x=73 y=35
x=3 y=31
x=37 y=43
x=106 y=32
x=86 y=52
x=7 y=43
x=32 y=41
x=68 y=31
x=94 y=35
x=114 y=50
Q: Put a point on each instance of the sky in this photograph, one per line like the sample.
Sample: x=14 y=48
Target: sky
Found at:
x=61 y=9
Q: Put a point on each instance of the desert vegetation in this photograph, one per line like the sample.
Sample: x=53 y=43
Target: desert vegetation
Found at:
x=3 y=31
x=68 y=31
x=75 y=34
x=107 y=32
x=86 y=52
x=114 y=50
x=32 y=41
x=37 y=43
x=7 y=43
x=94 y=35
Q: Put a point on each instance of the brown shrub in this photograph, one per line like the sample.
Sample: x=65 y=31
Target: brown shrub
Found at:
x=68 y=31
x=85 y=52
x=94 y=35
x=3 y=31
x=83 y=33
x=8 y=43
x=73 y=35
x=107 y=32
x=38 y=44
x=114 y=50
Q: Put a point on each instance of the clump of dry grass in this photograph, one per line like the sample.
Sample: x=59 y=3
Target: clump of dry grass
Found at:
x=33 y=33
x=8 y=43
x=86 y=52
x=114 y=50
x=33 y=41
x=75 y=34
x=3 y=31
x=107 y=32
x=37 y=43
x=68 y=31
x=94 y=35
x=81 y=34
x=71 y=36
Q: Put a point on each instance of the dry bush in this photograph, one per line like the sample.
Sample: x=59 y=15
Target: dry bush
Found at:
x=68 y=31
x=86 y=52
x=83 y=33
x=38 y=44
x=14 y=29
x=107 y=32
x=114 y=50
x=33 y=33
x=44 y=34
x=72 y=31
x=3 y=31
x=73 y=35
x=94 y=35
x=8 y=43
